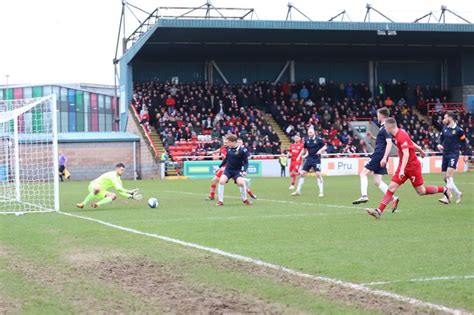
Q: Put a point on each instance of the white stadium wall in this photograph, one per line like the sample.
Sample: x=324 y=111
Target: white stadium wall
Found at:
x=330 y=167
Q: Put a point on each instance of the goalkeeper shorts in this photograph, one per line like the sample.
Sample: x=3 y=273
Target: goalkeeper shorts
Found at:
x=100 y=194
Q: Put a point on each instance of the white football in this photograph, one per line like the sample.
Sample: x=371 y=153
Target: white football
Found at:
x=153 y=202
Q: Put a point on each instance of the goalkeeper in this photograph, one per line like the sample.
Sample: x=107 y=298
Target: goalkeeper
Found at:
x=99 y=186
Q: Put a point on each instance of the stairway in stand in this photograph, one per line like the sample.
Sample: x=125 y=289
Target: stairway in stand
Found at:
x=421 y=116
x=170 y=171
x=156 y=140
x=285 y=141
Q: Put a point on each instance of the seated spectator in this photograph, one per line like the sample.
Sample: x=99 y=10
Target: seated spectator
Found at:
x=388 y=102
x=185 y=111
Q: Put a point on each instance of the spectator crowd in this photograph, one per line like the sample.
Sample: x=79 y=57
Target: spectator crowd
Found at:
x=184 y=111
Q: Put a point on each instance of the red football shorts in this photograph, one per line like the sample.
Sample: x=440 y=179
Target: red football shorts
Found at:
x=220 y=172
x=295 y=166
x=414 y=175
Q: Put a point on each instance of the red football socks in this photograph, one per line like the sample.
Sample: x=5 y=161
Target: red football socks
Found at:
x=212 y=194
x=430 y=190
x=386 y=200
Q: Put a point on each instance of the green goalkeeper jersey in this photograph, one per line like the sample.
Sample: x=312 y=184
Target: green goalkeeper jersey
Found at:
x=111 y=180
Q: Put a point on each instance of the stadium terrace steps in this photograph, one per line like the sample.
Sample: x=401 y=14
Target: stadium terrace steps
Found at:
x=284 y=139
x=155 y=138
x=420 y=115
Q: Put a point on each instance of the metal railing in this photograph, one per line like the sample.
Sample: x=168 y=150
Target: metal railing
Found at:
x=276 y=156
x=457 y=107
x=145 y=132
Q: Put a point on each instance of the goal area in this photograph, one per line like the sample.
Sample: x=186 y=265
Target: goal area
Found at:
x=29 y=156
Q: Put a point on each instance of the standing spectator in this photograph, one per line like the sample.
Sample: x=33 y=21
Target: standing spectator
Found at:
x=170 y=140
x=349 y=91
x=304 y=93
x=144 y=117
x=170 y=102
x=62 y=166
x=283 y=160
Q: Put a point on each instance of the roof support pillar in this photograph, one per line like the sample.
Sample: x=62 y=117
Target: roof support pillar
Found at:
x=208 y=72
x=292 y=71
x=283 y=70
x=372 y=77
x=444 y=74
x=214 y=64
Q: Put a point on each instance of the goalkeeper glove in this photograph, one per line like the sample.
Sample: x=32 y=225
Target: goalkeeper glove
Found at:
x=137 y=197
x=133 y=191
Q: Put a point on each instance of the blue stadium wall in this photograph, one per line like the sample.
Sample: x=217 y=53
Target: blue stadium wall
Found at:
x=415 y=72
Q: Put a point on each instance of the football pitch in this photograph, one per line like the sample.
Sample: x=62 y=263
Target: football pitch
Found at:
x=284 y=254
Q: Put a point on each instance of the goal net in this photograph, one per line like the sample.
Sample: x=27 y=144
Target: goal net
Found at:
x=28 y=156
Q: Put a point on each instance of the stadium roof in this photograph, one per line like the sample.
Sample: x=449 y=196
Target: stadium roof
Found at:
x=208 y=38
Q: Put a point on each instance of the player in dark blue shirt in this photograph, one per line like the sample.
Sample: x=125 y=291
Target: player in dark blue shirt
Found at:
x=452 y=140
x=314 y=146
x=236 y=163
x=377 y=164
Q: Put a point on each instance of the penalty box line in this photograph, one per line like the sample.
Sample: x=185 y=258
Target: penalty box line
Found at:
x=348 y=285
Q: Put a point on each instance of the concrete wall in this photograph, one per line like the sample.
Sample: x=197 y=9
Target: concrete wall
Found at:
x=88 y=160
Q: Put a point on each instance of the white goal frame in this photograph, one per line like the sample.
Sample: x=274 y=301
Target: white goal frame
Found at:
x=46 y=177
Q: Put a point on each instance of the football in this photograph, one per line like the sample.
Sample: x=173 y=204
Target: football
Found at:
x=153 y=202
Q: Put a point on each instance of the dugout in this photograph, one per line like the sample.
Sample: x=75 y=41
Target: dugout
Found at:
x=238 y=51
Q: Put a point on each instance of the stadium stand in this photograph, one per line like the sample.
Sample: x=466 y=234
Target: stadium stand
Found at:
x=190 y=119
x=181 y=113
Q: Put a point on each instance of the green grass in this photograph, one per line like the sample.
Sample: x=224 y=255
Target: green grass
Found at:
x=310 y=234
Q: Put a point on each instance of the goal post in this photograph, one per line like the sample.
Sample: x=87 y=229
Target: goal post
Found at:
x=29 y=179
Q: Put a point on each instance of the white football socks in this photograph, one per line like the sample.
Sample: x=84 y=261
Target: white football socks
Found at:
x=248 y=182
x=300 y=184
x=243 y=191
x=364 y=184
x=450 y=184
x=220 y=192
x=320 y=182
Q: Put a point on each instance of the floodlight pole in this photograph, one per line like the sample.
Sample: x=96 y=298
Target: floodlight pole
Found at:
x=290 y=7
x=443 y=15
x=429 y=15
x=369 y=7
x=338 y=15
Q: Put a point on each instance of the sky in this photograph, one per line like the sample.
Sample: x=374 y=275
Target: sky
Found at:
x=65 y=41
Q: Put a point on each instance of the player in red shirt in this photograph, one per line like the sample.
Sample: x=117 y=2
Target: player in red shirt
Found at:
x=222 y=154
x=409 y=167
x=295 y=164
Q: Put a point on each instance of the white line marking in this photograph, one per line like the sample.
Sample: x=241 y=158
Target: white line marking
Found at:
x=258 y=262
x=446 y=278
x=278 y=201
x=251 y=217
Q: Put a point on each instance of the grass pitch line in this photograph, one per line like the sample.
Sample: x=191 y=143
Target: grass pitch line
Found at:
x=277 y=201
x=349 y=285
x=446 y=278
x=270 y=216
